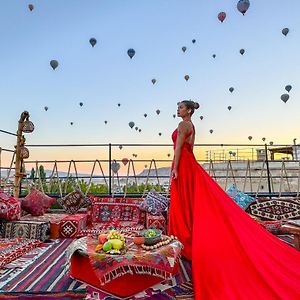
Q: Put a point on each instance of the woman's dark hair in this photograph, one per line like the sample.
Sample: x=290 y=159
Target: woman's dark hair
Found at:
x=191 y=105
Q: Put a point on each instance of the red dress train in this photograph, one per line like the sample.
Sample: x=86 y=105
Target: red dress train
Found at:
x=233 y=257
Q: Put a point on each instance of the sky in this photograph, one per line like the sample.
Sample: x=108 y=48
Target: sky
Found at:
x=104 y=75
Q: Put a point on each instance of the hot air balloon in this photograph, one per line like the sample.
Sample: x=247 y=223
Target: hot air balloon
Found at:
x=242 y=51
x=214 y=55
x=222 y=16
x=119 y=104
x=186 y=77
x=115 y=167
x=105 y=122
x=158 y=111
x=174 y=116
x=183 y=49
x=31 y=7
x=288 y=88
x=201 y=117
x=145 y=115
x=46 y=108
x=146 y=166
x=263 y=139
x=243 y=6
x=169 y=154
x=136 y=128
x=54 y=64
x=131 y=124
x=81 y=103
x=159 y=133
x=71 y=123
x=193 y=41
x=271 y=143
x=249 y=137
x=153 y=80
x=125 y=161
x=211 y=131
x=229 y=107
x=93 y=42
x=131 y=53
x=231 y=89
x=120 y=147
x=285 y=31
x=285 y=97
x=140 y=130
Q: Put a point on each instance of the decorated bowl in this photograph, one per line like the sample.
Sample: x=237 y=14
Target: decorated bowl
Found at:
x=152 y=236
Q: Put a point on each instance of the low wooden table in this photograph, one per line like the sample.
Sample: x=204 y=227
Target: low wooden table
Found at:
x=294 y=230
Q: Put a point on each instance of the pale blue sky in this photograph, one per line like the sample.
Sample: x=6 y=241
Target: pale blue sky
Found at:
x=103 y=76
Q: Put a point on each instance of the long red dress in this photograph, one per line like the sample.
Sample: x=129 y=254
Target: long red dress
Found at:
x=233 y=257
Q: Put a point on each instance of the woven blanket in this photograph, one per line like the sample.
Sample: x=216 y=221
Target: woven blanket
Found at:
x=11 y=249
x=46 y=275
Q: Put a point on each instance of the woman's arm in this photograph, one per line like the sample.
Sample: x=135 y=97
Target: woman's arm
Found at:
x=182 y=131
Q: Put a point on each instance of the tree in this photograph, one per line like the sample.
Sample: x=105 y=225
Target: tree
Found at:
x=42 y=172
x=32 y=174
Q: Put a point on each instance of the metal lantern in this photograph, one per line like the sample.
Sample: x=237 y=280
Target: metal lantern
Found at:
x=28 y=127
x=24 y=153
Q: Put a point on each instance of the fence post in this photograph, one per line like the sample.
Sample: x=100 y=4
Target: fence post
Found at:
x=109 y=166
x=268 y=170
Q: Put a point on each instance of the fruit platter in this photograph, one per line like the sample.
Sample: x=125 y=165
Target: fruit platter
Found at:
x=112 y=242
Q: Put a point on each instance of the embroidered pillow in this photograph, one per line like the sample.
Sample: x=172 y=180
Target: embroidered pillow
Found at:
x=36 y=202
x=154 y=203
x=242 y=199
x=74 y=201
x=114 y=210
x=10 y=207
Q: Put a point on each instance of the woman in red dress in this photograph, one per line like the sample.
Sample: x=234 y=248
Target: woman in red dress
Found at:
x=233 y=257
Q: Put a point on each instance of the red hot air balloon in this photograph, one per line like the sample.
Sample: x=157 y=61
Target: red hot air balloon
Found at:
x=222 y=16
x=125 y=161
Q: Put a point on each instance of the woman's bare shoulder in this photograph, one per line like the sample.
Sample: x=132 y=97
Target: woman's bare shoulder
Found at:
x=185 y=126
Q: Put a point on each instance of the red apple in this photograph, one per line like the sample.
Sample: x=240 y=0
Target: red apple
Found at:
x=102 y=238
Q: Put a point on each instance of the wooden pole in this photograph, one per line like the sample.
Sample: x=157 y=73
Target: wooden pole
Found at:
x=18 y=160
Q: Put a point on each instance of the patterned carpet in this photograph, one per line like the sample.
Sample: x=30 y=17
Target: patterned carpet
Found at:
x=40 y=274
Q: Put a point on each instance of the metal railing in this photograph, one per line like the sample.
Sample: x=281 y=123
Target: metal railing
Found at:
x=254 y=174
x=7 y=155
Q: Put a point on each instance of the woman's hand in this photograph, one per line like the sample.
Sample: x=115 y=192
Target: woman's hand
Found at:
x=174 y=174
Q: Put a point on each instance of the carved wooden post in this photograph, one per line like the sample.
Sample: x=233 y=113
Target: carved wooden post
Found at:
x=25 y=126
